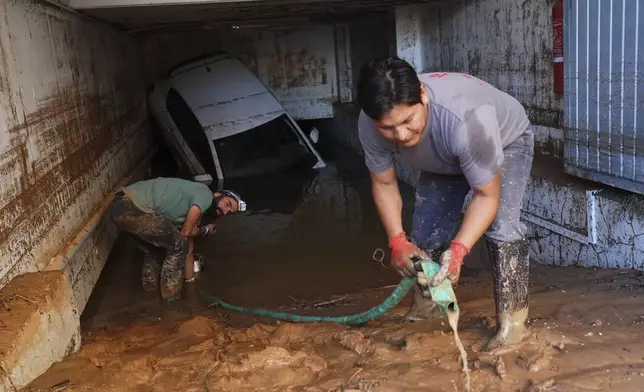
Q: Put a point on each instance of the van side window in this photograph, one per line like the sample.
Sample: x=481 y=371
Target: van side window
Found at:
x=191 y=129
x=272 y=147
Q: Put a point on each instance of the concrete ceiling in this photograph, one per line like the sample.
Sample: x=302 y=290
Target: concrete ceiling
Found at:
x=161 y=16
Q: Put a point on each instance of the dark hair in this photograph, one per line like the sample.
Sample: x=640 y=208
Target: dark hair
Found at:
x=386 y=82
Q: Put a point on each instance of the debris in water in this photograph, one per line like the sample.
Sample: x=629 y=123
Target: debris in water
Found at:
x=545 y=386
x=500 y=368
x=59 y=386
x=355 y=341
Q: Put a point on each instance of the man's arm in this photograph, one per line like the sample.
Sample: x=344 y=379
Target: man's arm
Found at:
x=386 y=195
x=481 y=212
x=480 y=151
x=194 y=213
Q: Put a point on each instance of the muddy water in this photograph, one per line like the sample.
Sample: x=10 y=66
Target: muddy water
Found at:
x=307 y=235
x=306 y=247
x=590 y=344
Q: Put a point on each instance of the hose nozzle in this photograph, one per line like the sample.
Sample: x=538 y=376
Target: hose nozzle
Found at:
x=443 y=294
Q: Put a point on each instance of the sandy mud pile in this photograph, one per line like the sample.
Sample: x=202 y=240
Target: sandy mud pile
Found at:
x=586 y=335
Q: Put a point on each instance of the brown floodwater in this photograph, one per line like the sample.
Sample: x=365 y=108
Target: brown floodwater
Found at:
x=307 y=234
x=305 y=246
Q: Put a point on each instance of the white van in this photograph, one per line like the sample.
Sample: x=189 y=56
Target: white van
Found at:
x=221 y=122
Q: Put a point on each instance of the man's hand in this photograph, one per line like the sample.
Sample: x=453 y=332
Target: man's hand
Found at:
x=206 y=230
x=402 y=252
x=209 y=230
x=451 y=261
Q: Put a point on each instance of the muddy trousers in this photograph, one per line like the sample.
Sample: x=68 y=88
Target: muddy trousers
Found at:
x=438 y=214
x=164 y=249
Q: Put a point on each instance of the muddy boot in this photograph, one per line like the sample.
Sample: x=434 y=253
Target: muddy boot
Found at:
x=150 y=273
x=422 y=308
x=511 y=266
x=151 y=268
x=171 y=280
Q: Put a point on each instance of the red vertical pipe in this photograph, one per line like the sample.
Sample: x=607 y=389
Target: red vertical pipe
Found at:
x=558 y=47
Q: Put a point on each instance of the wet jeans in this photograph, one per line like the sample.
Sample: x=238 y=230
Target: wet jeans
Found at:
x=159 y=240
x=439 y=201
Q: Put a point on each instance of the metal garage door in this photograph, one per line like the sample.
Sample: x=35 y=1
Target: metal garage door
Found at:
x=604 y=59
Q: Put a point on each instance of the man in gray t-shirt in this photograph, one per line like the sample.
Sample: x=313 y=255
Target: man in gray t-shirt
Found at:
x=462 y=134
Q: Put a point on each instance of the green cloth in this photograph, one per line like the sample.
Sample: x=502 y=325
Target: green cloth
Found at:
x=169 y=197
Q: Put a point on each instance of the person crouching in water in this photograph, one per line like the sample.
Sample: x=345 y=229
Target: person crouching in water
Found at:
x=164 y=215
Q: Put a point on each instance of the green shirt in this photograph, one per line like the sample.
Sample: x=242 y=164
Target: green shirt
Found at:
x=169 y=197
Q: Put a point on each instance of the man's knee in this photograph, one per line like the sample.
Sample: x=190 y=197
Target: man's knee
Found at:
x=506 y=231
x=433 y=232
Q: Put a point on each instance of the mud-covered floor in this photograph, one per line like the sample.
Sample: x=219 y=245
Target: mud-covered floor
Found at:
x=306 y=247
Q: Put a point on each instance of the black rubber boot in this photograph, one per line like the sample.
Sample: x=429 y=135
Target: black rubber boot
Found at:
x=423 y=308
x=511 y=266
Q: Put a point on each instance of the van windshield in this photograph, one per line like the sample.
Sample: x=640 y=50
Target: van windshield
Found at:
x=269 y=148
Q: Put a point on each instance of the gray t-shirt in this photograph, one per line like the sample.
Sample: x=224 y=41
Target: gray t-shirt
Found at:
x=470 y=123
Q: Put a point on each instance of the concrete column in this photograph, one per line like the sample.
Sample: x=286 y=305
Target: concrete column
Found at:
x=409 y=33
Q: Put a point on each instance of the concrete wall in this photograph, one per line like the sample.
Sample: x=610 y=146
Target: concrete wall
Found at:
x=370 y=38
x=73 y=122
x=509 y=44
x=506 y=43
x=298 y=64
x=73 y=127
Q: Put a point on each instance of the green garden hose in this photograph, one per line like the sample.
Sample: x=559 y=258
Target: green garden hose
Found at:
x=443 y=295
x=354 y=319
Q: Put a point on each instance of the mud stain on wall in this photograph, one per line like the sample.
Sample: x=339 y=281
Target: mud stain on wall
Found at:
x=296 y=69
x=85 y=126
x=296 y=63
x=508 y=44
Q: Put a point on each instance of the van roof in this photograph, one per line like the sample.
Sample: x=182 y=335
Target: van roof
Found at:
x=198 y=62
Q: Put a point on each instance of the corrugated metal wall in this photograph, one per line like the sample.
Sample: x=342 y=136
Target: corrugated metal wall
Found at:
x=604 y=96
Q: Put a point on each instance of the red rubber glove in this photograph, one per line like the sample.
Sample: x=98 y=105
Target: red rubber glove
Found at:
x=402 y=252
x=451 y=261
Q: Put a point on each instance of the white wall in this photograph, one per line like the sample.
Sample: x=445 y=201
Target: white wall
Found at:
x=73 y=122
x=298 y=64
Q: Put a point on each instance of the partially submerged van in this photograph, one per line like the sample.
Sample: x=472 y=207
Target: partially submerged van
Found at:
x=221 y=122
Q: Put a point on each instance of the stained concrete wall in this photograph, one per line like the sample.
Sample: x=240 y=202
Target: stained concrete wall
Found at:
x=73 y=121
x=509 y=44
x=73 y=127
x=371 y=36
x=298 y=63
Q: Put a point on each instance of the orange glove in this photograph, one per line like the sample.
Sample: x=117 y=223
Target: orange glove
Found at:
x=402 y=252
x=451 y=261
